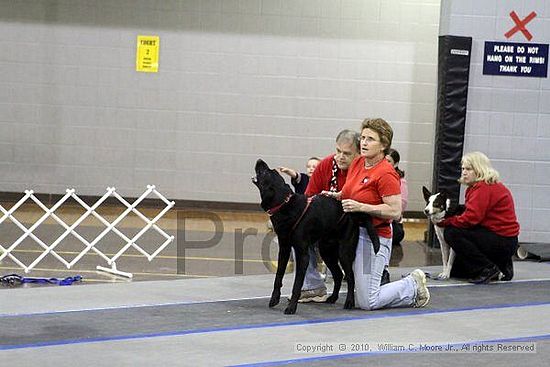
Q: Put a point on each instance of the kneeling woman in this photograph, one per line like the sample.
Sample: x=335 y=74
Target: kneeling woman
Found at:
x=372 y=186
x=485 y=236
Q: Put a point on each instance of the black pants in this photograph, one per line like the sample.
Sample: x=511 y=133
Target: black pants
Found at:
x=478 y=248
x=398 y=233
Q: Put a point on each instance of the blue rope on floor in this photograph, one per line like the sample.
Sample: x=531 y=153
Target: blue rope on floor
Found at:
x=15 y=280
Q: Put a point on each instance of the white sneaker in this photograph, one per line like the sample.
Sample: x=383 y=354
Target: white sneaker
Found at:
x=313 y=295
x=422 y=292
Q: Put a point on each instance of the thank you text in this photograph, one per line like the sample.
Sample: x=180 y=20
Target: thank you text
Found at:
x=515 y=59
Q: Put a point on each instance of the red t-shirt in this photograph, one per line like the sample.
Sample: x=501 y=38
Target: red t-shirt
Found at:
x=320 y=179
x=490 y=206
x=370 y=185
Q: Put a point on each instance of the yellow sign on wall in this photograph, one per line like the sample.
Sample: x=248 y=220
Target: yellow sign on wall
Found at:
x=147 y=54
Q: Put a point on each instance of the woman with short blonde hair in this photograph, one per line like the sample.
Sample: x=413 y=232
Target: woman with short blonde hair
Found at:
x=485 y=236
x=482 y=167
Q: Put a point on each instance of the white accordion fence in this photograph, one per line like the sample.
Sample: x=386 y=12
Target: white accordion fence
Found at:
x=90 y=210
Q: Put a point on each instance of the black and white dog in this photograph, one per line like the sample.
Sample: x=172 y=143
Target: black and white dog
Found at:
x=438 y=207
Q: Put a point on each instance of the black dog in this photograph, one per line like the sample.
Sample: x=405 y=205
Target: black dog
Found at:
x=299 y=224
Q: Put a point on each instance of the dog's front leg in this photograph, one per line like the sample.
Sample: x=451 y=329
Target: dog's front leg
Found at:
x=445 y=259
x=302 y=260
x=444 y=254
x=450 y=261
x=284 y=255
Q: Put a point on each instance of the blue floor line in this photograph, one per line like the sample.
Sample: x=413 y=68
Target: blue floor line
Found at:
x=457 y=346
x=367 y=316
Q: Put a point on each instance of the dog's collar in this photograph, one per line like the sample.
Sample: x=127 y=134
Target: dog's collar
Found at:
x=275 y=209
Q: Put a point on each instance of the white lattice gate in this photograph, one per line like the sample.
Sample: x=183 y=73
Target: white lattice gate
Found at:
x=8 y=251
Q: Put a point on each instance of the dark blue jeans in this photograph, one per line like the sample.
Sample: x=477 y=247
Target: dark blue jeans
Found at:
x=478 y=248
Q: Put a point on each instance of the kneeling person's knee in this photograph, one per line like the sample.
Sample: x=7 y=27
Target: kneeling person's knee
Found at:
x=451 y=234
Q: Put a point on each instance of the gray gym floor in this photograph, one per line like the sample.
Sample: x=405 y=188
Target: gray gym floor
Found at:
x=225 y=321
x=201 y=307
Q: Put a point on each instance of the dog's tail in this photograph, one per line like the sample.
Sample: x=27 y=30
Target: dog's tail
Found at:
x=365 y=220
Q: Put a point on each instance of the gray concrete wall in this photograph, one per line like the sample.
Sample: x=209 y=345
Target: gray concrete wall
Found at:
x=238 y=80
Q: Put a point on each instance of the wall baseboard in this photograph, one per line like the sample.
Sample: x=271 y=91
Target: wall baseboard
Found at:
x=51 y=199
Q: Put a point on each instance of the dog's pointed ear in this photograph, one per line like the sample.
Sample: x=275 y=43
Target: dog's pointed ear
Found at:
x=261 y=166
x=426 y=193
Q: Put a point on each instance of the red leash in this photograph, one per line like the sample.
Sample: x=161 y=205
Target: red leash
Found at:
x=309 y=200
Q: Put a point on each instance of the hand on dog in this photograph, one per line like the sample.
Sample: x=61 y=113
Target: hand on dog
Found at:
x=439 y=223
x=332 y=194
x=351 y=206
x=288 y=171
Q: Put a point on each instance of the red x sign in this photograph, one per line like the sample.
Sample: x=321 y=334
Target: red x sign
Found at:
x=520 y=25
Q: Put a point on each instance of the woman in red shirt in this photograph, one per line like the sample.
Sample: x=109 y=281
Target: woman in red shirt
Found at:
x=485 y=235
x=372 y=186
